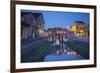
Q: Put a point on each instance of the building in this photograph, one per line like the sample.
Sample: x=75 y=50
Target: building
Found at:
x=60 y=34
x=80 y=29
x=32 y=25
x=70 y=35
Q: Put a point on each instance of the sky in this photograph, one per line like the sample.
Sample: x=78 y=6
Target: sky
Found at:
x=61 y=19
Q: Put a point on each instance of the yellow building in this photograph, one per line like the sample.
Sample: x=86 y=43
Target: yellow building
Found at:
x=80 y=29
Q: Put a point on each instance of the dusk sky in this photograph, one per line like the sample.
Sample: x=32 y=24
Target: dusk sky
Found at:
x=61 y=19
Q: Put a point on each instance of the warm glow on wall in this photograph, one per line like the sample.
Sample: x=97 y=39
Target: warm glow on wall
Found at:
x=73 y=28
x=81 y=31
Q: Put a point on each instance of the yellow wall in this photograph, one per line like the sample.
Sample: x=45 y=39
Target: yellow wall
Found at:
x=73 y=28
x=76 y=28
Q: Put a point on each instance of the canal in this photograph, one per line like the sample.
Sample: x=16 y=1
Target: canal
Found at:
x=62 y=53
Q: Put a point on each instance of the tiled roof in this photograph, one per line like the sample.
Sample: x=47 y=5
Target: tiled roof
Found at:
x=80 y=22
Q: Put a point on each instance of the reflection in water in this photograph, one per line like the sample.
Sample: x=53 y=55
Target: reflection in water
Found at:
x=60 y=48
x=72 y=52
x=62 y=52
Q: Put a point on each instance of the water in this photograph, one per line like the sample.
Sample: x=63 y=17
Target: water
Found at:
x=64 y=53
x=65 y=57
